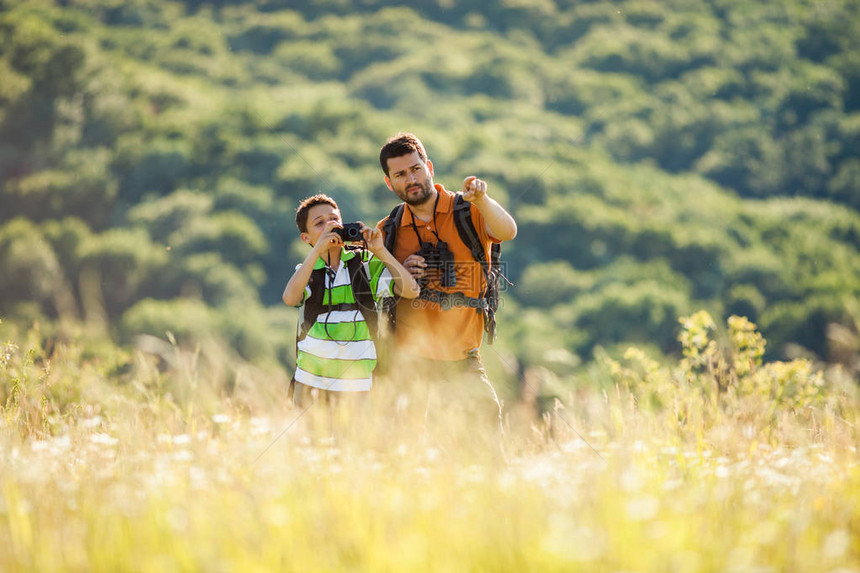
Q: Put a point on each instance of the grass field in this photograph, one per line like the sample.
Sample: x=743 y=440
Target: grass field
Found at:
x=186 y=461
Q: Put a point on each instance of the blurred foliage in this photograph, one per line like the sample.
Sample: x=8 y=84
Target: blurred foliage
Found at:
x=722 y=381
x=659 y=158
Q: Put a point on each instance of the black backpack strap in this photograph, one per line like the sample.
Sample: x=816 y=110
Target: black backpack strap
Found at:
x=362 y=292
x=466 y=230
x=390 y=226
x=493 y=290
x=311 y=309
x=364 y=302
x=313 y=306
x=389 y=230
x=469 y=235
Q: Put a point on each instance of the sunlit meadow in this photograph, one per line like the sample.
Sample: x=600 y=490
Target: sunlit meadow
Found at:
x=166 y=459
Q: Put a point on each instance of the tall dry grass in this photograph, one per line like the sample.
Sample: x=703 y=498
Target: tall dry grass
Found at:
x=170 y=459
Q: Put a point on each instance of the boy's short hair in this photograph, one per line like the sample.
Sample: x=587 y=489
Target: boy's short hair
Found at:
x=399 y=145
x=305 y=206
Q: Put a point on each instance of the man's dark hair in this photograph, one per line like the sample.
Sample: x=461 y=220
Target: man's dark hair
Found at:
x=305 y=206
x=399 y=145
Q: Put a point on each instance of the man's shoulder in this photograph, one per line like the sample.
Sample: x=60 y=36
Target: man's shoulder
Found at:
x=399 y=207
x=459 y=210
x=441 y=189
x=457 y=202
x=381 y=223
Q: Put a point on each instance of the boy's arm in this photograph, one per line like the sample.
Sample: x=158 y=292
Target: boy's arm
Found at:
x=294 y=293
x=404 y=284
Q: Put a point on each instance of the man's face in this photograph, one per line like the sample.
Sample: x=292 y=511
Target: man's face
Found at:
x=318 y=216
x=410 y=178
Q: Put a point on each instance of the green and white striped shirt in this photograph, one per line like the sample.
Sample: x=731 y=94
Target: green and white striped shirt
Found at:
x=338 y=353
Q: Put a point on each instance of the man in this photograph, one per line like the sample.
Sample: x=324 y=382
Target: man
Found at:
x=444 y=327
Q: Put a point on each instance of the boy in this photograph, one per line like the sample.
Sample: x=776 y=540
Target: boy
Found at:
x=337 y=289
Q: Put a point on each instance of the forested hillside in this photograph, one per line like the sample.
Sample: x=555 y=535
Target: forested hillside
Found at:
x=661 y=157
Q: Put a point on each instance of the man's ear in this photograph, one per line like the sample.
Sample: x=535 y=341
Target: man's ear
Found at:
x=388 y=182
x=306 y=238
x=430 y=166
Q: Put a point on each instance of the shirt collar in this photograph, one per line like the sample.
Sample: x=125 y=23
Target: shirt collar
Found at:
x=445 y=204
x=345 y=255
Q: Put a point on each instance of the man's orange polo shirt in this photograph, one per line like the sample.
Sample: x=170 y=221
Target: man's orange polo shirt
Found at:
x=423 y=328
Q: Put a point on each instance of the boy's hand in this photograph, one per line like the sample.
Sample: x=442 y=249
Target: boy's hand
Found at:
x=328 y=238
x=373 y=238
x=474 y=189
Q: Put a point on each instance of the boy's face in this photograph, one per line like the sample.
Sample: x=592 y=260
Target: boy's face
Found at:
x=318 y=216
x=410 y=178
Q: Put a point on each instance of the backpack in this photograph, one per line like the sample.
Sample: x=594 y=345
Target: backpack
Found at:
x=364 y=302
x=489 y=299
x=315 y=305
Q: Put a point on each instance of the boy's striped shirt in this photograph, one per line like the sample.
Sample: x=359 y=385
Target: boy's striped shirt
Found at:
x=338 y=352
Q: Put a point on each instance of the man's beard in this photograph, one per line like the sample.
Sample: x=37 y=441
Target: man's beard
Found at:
x=426 y=193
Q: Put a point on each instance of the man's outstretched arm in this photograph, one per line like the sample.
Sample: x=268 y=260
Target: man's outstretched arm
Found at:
x=500 y=224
